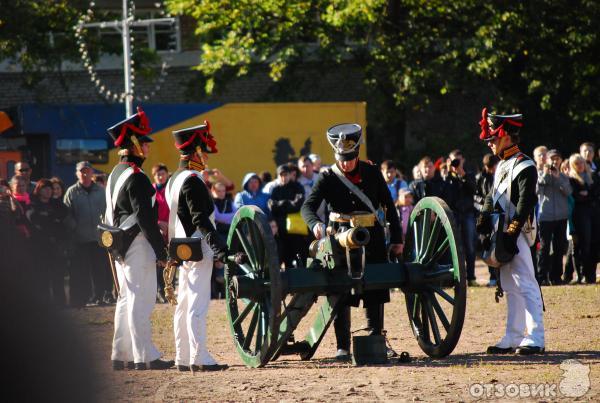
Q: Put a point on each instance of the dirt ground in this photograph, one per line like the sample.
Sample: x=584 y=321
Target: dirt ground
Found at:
x=572 y=322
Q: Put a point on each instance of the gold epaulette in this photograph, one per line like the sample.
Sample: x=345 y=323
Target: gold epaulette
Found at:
x=514 y=227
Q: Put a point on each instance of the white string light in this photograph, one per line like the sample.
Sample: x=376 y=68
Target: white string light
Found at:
x=102 y=89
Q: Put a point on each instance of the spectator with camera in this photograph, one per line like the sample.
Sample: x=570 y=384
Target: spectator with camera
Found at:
x=461 y=186
x=553 y=190
x=214 y=175
x=428 y=182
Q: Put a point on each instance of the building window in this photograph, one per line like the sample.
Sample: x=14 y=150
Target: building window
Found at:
x=71 y=151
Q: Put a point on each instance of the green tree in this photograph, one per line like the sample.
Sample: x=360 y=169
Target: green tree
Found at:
x=38 y=34
x=539 y=52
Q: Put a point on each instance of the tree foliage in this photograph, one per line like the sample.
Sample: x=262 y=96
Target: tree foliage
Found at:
x=38 y=34
x=413 y=50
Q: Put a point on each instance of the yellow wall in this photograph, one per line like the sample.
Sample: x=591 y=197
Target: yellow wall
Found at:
x=246 y=134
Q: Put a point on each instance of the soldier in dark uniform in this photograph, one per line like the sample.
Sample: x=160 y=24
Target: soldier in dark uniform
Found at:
x=345 y=140
x=192 y=215
x=130 y=205
x=513 y=195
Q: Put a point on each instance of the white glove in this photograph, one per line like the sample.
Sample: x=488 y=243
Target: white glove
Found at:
x=319 y=230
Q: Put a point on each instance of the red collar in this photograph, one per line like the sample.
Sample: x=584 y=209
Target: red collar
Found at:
x=354 y=176
x=509 y=152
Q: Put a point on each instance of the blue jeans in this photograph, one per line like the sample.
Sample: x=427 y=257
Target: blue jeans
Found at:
x=468 y=234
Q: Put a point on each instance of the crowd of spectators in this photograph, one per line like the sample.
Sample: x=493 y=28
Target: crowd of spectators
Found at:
x=59 y=224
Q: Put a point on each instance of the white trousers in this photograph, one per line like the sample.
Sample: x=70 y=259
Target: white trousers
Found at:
x=193 y=300
x=525 y=317
x=137 y=280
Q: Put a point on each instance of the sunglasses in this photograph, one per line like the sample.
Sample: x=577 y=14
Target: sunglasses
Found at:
x=24 y=170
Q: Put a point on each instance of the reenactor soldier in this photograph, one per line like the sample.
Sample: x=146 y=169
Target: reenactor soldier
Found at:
x=130 y=206
x=508 y=220
x=192 y=215
x=348 y=187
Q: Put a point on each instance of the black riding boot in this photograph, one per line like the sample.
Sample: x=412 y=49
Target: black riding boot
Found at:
x=375 y=318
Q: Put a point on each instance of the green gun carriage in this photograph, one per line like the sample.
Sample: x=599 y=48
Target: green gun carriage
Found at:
x=265 y=303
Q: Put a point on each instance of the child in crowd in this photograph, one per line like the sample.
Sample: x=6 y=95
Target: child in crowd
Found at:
x=405 y=207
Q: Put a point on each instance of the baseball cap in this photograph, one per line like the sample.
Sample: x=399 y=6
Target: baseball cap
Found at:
x=83 y=164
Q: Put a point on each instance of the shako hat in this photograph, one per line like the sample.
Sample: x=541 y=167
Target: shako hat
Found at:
x=493 y=125
x=135 y=125
x=345 y=139
x=186 y=140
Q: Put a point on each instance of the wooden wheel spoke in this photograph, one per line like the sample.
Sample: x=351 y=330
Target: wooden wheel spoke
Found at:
x=251 y=328
x=424 y=321
x=257 y=244
x=244 y=313
x=245 y=269
x=247 y=248
x=433 y=239
x=443 y=294
x=415 y=305
x=425 y=231
x=439 y=251
x=417 y=239
x=434 y=326
x=439 y=311
x=261 y=329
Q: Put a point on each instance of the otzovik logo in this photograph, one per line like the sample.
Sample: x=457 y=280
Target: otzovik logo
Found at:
x=575 y=383
x=576 y=378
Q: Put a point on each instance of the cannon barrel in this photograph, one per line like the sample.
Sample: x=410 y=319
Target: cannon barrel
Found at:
x=353 y=238
x=350 y=239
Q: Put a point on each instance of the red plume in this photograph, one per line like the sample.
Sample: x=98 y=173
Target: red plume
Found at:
x=485 y=128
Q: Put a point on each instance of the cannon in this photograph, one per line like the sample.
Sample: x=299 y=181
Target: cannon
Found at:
x=265 y=303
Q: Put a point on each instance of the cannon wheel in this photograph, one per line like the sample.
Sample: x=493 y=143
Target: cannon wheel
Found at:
x=437 y=311
x=254 y=324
